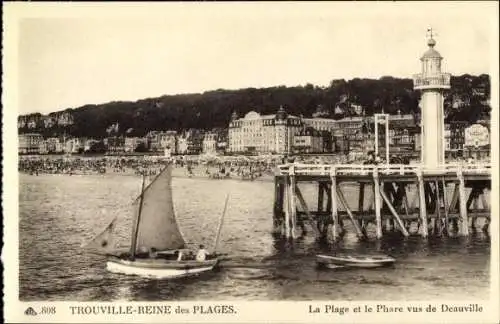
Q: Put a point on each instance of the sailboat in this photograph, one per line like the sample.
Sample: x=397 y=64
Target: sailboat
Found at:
x=156 y=240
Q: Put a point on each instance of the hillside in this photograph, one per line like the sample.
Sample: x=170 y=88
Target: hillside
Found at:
x=468 y=100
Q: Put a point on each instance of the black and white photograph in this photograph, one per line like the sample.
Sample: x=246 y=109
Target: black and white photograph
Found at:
x=213 y=152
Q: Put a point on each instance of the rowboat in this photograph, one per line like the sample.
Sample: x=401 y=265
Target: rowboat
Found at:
x=249 y=273
x=354 y=261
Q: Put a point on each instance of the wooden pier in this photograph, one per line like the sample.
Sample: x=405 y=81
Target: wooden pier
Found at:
x=398 y=196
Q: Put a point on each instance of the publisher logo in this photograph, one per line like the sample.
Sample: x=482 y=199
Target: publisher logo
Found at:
x=30 y=311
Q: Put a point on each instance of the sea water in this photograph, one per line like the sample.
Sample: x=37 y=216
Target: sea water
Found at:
x=59 y=213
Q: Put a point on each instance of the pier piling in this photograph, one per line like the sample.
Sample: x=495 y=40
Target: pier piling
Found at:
x=333 y=203
x=391 y=186
x=376 y=197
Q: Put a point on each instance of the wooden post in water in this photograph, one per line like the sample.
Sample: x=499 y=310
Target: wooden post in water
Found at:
x=376 y=196
x=422 y=205
x=361 y=197
x=293 y=205
x=484 y=201
x=343 y=201
x=282 y=205
x=486 y=207
x=437 y=222
x=394 y=213
x=278 y=205
x=287 y=208
x=453 y=206
x=446 y=209
x=328 y=189
x=361 y=202
x=429 y=197
x=332 y=196
x=406 y=208
x=473 y=200
x=321 y=194
x=302 y=202
x=464 y=222
x=454 y=197
x=415 y=200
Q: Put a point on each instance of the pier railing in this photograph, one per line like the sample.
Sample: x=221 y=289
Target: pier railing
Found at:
x=388 y=169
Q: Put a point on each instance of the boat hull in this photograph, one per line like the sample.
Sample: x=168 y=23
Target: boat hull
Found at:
x=161 y=269
x=334 y=262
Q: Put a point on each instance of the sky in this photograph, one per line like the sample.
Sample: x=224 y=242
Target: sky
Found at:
x=69 y=55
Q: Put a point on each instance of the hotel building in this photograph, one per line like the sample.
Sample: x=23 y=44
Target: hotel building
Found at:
x=257 y=133
x=30 y=143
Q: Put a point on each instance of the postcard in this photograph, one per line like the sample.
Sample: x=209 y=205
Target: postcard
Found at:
x=250 y=162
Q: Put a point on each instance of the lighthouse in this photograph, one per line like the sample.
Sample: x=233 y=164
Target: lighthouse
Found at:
x=432 y=83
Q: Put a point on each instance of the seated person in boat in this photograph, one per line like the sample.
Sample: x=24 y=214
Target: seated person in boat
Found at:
x=142 y=252
x=153 y=253
x=188 y=255
x=202 y=254
x=179 y=255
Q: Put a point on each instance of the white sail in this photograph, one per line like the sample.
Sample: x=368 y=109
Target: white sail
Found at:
x=156 y=223
x=103 y=242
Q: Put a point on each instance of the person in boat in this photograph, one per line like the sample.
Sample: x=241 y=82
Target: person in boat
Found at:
x=202 y=254
x=179 y=255
x=153 y=253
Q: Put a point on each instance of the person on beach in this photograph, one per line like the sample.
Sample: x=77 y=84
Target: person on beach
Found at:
x=371 y=158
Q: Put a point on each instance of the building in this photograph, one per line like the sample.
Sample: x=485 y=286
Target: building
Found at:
x=74 y=145
x=190 y=142
x=447 y=138
x=476 y=136
x=222 y=141
x=257 y=133
x=42 y=148
x=54 y=145
x=168 y=140
x=210 y=143
x=477 y=141
x=29 y=143
x=131 y=143
x=307 y=141
x=182 y=145
x=88 y=143
x=402 y=132
x=158 y=141
x=116 y=144
x=349 y=134
x=454 y=138
x=321 y=124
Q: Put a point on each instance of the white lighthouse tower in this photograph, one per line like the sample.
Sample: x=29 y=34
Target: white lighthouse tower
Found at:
x=432 y=83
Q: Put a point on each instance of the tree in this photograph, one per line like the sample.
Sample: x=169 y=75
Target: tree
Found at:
x=213 y=109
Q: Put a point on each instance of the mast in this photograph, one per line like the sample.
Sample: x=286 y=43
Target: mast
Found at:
x=135 y=228
x=220 y=224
